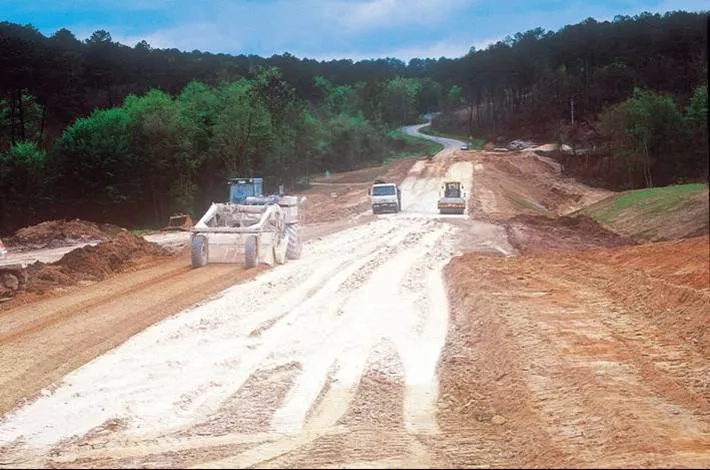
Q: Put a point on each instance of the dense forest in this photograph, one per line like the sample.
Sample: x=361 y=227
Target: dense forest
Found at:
x=105 y=131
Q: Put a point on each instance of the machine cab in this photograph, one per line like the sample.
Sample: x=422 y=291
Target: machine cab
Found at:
x=453 y=190
x=242 y=188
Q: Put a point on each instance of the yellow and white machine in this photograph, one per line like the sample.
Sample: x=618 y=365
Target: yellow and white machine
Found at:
x=452 y=199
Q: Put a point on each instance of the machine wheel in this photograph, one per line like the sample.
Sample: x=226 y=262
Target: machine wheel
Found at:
x=250 y=251
x=200 y=252
x=294 y=247
x=279 y=251
x=9 y=281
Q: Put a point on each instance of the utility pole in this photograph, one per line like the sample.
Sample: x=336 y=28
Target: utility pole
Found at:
x=571 y=104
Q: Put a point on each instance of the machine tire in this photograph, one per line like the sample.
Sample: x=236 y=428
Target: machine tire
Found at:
x=200 y=251
x=279 y=252
x=9 y=281
x=250 y=251
x=295 y=246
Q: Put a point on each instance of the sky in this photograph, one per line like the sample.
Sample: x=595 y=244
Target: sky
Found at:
x=321 y=29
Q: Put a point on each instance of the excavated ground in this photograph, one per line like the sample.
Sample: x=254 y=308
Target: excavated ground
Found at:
x=551 y=343
x=58 y=233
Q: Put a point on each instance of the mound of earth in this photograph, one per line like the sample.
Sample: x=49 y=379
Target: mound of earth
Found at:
x=533 y=234
x=94 y=263
x=55 y=233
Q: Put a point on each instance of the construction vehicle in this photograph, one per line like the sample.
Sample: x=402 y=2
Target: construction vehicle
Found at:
x=13 y=276
x=178 y=221
x=385 y=196
x=249 y=228
x=452 y=199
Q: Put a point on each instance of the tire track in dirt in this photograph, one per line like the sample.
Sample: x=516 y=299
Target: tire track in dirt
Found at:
x=413 y=242
x=369 y=376
x=36 y=360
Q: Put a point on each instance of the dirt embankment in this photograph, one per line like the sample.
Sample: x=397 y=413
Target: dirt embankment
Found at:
x=536 y=234
x=506 y=185
x=94 y=263
x=120 y=251
x=58 y=233
x=574 y=358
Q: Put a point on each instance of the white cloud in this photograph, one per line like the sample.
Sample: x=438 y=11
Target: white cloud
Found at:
x=203 y=36
x=357 y=15
x=446 y=48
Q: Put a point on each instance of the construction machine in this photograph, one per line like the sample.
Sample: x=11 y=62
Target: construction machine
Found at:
x=177 y=222
x=249 y=227
x=452 y=199
x=13 y=275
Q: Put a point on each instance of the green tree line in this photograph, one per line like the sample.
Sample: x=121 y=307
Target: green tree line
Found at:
x=156 y=154
x=632 y=92
x=101 y=130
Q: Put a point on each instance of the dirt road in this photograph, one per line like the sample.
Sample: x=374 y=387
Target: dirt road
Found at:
x=377 y=350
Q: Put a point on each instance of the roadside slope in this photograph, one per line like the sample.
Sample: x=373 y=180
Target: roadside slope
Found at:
x=655 y=214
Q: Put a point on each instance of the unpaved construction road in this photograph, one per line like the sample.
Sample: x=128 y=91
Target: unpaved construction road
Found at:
x=377 y=350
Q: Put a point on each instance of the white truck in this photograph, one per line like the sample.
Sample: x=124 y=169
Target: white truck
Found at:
x=385 y=197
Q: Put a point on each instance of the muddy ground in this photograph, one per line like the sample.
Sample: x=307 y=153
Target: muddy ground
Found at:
x=521 y=335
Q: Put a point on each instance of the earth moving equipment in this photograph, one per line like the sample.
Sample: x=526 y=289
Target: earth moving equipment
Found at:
x=179 y=222
x=385 y=196
x=13 y=276
x=249 y=228
x=452 y=199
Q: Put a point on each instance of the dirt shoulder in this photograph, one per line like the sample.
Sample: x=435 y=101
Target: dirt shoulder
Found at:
x=594 y=358
x=582 y=349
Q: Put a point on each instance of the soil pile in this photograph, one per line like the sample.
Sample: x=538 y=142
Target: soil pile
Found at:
x=533 y=234
x=56 y=233
x=95 y=263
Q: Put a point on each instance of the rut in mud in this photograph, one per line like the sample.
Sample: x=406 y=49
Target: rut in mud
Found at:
x=251 y=360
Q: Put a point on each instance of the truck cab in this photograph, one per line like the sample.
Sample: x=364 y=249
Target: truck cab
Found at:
x=242 y=188
x=385 y=197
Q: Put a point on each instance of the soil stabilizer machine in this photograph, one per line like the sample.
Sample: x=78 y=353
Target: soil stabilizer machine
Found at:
x=249 y=228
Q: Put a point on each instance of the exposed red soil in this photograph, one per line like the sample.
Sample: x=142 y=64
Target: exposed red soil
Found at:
x=55 y=233
x=534 y=233
x=94 y=263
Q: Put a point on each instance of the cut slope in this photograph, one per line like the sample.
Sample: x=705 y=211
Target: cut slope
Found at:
x=655 y=214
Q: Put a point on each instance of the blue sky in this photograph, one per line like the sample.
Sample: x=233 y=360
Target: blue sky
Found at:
x=321 y=29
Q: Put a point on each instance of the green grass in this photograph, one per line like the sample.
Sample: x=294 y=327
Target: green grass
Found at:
x=476 y=144
x=409 y=146
x=650 y=201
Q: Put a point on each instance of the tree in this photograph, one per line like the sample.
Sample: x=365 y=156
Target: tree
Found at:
x=22 y=184
x=642 y=132
x=100 y=174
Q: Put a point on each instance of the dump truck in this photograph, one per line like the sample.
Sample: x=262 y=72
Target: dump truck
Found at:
x=452 y=199
x=249 y=227
x=384 y=197
x=13 y=275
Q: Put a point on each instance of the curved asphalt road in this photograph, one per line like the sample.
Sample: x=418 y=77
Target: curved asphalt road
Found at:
x=447 y=143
